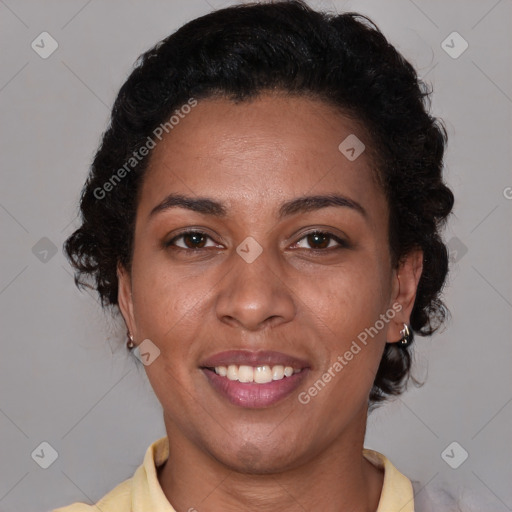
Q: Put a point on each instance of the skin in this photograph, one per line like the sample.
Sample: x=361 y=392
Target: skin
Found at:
x=253 y=156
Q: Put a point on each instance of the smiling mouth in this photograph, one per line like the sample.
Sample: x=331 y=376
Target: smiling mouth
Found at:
x=254 y=379
x=258 y=374
x=254 y=387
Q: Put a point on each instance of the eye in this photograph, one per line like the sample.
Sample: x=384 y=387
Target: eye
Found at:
x=321 y=240
x=192 y=240
x=317 y=241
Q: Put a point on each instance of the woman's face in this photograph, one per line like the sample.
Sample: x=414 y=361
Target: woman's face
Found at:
x=256 y=287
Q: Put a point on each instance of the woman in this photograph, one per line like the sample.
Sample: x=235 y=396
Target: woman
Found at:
x=264 y=211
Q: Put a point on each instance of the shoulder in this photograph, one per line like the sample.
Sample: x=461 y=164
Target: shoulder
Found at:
x=142 y=490
x=397 y=490
x=117 y=500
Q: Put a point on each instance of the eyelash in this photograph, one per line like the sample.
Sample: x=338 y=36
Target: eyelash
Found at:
x=342 y=244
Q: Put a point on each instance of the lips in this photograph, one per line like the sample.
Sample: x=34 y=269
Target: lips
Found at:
x=249 y=358
x=254 y=394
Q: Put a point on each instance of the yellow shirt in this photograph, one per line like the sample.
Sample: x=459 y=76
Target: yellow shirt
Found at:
x=142 y=492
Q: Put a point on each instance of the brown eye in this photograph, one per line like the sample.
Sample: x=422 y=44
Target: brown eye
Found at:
x=191 y=240
x=319 y=240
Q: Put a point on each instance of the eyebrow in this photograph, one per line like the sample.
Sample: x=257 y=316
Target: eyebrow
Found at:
x=208 y=206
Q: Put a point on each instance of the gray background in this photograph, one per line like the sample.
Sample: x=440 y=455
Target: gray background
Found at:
x=65 y=377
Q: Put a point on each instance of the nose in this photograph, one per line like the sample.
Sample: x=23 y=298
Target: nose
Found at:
x=255 y=295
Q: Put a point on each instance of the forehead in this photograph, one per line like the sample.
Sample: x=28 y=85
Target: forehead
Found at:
x=258 y=152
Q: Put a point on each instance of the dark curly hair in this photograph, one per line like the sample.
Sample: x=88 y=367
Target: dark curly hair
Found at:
x=240 y=52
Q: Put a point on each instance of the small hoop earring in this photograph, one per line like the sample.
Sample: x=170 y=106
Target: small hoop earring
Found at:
x=129 y=344
x=406 y=338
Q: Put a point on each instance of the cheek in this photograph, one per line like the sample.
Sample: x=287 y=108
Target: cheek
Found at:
x=348 y=299
x=167 y=311
x=167 y=302
x=346 y=310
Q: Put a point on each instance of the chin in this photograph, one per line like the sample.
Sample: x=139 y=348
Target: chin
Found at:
x=263 y=459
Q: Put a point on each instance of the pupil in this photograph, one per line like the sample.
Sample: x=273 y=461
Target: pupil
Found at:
x=313 y=239
x=195 y=237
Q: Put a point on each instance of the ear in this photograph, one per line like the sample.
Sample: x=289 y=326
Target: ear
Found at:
x=124 y=298
x=405 y=284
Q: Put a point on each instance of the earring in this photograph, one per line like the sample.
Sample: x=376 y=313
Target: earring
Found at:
x=129 y=343
x=406 y=338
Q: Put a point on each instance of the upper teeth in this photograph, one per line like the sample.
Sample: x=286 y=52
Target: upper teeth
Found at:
x=258 y=374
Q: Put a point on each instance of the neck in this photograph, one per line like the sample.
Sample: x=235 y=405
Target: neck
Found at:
x=337 y=479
